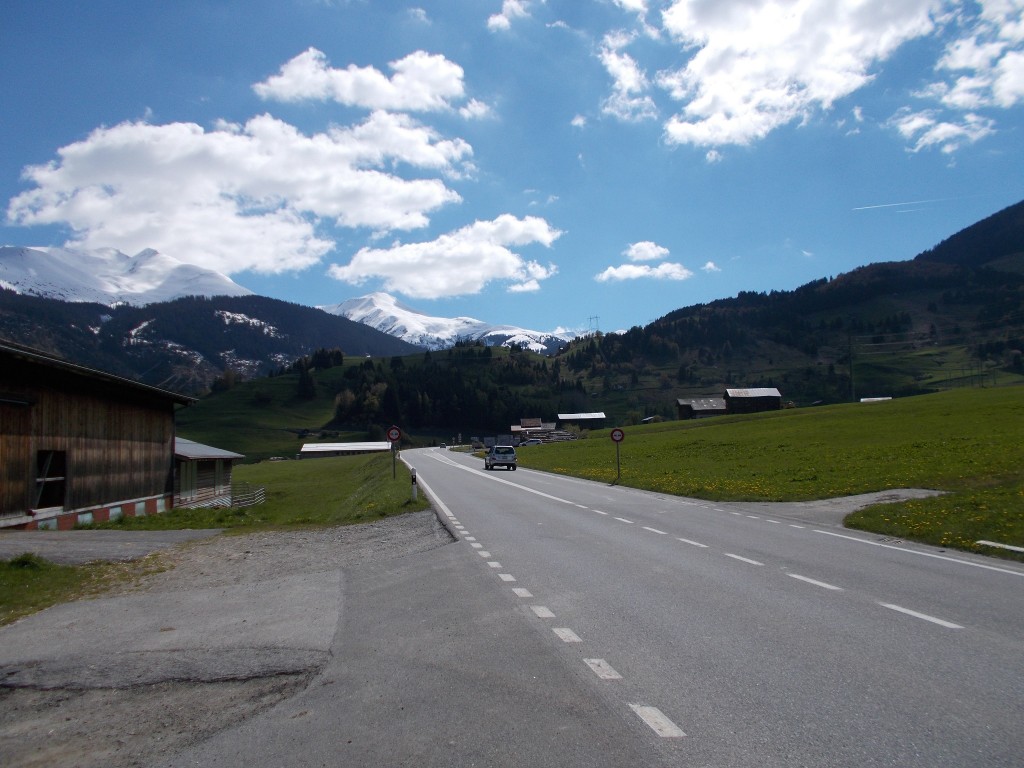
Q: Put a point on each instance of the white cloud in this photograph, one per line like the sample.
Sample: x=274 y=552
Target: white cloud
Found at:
x=755 y=65
x=664 y=271
x=711 y=267
x=421 y=82
x=419 y=15
x=983 y=68
x=475 y=110
x=241 y=196
x=510 y=10
x=579 y=121
x=629 y=82
x=713 y=156
x=458 y=263
x=645 y=250
x=926 y=130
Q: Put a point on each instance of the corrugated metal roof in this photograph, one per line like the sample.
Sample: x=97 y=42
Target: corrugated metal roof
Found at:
x=762 y=392
x=344 y=448
x=190 y=449
x=580 y=416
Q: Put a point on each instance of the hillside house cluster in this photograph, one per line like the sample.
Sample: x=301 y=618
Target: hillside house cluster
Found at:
x=78 y=446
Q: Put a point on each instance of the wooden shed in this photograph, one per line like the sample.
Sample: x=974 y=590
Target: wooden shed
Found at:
x=753 y=400
x=79 y=445
x=202 y=474
x=700 y=407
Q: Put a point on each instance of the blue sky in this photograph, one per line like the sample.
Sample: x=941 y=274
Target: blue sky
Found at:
x=561 y=164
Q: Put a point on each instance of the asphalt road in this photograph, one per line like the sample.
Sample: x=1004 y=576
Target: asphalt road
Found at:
x=749 y=635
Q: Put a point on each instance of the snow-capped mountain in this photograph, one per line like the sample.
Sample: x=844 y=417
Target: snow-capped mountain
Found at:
x=385 y=313
x=107 y=276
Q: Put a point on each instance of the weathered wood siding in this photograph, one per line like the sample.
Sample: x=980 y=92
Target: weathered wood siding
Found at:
x=118 y=441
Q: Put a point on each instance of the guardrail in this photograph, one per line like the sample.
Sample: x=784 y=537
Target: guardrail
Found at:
x=247 y=494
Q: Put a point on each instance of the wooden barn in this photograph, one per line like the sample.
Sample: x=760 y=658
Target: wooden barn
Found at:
x=202 y=474
x=700 y=407
x=79 y=445
x=753 y=400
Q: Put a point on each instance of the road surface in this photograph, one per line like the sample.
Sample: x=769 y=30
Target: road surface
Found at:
x=746 y=635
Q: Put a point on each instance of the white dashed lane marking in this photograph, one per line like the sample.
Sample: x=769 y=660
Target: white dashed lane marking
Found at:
x=923 y=616
x=655 y=530
x=566 y=635
x=542 y=611
x=506 y=577
x=657 y=722
x=603 y=669
x=693 y=543
x=520 y=592
x=624 y=520
x=815 y=582
x=742 y=559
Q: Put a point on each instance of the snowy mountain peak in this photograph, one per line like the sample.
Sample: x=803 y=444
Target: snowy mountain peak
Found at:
x=108 y=276
x=384 y=312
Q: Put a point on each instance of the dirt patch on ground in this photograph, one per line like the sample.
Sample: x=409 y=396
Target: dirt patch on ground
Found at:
x=137 y=725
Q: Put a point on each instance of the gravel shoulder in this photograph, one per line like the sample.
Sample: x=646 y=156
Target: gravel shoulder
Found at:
x=231 y=627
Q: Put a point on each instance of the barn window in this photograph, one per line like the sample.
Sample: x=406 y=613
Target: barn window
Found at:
x=51 y=478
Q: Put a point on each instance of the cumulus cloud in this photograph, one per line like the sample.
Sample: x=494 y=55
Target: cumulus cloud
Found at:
x=421 y=82
x=984 y=65
x=925 y=130
x=645 y=250
x=510 y=10
x=664 y=271
x=711 y=267
x=458 y=263
x=240 y=197
x=755 y=65
x=628 y=100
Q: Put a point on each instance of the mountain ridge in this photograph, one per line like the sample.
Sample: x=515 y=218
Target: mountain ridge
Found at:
x=385 y=313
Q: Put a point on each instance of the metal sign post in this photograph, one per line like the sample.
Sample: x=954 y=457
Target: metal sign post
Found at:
x=394 y=435
x=617 y=437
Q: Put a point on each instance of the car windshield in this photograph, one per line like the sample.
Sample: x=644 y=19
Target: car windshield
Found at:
x=503 y=450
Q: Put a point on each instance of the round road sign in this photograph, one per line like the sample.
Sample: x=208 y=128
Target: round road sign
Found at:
x=394 y=434
x=618 y=435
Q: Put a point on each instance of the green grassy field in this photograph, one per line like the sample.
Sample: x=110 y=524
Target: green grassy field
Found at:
x=966 y=442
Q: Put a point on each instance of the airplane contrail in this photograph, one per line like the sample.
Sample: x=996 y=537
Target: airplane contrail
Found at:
x=897 y=205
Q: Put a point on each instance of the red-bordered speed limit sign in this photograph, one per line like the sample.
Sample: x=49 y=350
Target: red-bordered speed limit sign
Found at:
x=618 y=435
x=394 y=434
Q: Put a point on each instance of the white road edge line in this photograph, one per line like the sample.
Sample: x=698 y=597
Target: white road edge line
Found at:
x=815 y=582
x=924 y=616
x=602 y=669
x=922 y=554
x=657 y=722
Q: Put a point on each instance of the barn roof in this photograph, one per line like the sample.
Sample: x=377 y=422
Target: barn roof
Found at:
x=363 y=447
x=12 y=351
x=193 y=451
x=580 y=416
x=703 y=403
x=761 y=392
